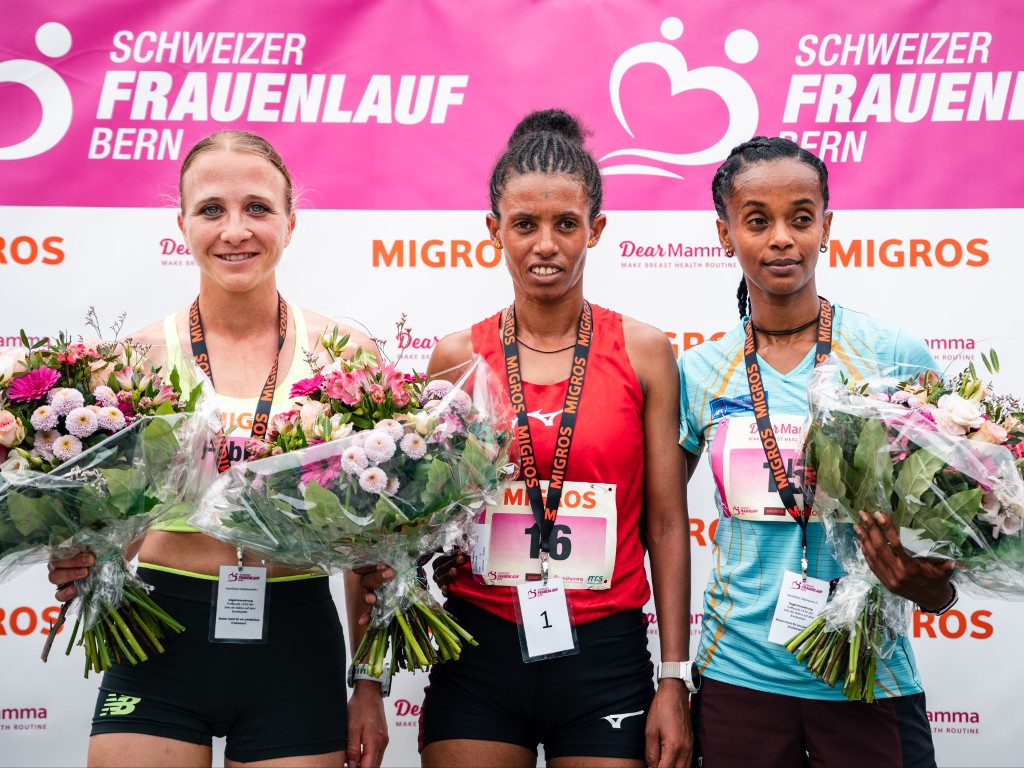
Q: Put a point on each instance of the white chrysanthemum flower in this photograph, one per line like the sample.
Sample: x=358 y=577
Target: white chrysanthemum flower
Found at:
x=105 y=397
x=65 y=400
x=66 y=447
x=393 y=486
x=373 y=480
x=110 y=419
x=392 y=427
x=353 y=460
x=460 y=402
x=81 y=422
x=44 y=439
x=44 y=417
x=414 y=446
x=379 y=446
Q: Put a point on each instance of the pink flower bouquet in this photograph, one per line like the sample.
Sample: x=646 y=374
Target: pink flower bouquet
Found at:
x=96 y=446
x=372 y=466
x=943 y=460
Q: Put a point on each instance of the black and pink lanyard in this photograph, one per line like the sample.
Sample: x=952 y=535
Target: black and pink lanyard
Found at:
x=261 y=419
x=766 y=431
x=545 y=513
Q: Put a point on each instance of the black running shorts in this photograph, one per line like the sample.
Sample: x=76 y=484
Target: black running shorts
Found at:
x=591 y=704
x=284 y=698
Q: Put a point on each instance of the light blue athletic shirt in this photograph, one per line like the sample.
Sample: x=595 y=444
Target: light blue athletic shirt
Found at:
x=756 y=540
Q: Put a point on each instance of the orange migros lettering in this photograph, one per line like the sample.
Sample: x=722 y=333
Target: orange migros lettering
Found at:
x=915 y=252
x=25 y=250
x=698 y=528
x=435 y=253
x=240 y=420
x=514 y=497
x=954 y=624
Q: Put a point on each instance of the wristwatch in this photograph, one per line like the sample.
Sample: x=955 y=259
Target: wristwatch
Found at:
x=949 y=603
x=681 y=670
x=362 y=672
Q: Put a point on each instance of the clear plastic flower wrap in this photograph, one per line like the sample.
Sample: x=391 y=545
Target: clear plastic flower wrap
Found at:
x=942 y=460
x=392 y=493
x=108 y=447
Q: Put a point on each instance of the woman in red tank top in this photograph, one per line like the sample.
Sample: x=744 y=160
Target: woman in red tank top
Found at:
x=597 y=398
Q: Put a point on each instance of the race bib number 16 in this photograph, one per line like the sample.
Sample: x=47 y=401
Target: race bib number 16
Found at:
x=582 y=552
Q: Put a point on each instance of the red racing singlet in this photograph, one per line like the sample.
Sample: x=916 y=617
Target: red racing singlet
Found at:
x=608 y=448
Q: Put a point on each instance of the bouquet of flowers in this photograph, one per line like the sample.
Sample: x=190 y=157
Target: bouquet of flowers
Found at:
x=96 y=445
x=372 y=466
x=943 y=459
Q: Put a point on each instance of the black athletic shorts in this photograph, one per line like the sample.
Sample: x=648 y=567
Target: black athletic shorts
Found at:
x=591 y=704
x=284 y=698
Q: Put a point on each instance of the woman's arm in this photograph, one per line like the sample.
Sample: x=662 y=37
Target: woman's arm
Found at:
x=667 y=529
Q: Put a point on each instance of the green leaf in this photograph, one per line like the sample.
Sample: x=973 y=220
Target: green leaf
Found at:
x=159 y=445
x=826 y=456
x=439 y=477
x=874 y=466
x=126 y=487
x=36 y=517
x=913 y=480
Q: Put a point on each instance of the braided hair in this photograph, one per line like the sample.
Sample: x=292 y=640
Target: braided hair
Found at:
x=760 y=149
x=548 y=141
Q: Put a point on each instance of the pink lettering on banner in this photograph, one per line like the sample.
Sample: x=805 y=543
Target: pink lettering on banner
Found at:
x=404 y=107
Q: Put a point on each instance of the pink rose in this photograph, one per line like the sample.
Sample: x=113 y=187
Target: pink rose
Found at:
x=990 y=432
x=12 y=431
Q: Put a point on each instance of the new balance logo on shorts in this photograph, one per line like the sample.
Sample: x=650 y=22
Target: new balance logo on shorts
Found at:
x=616 y=720
x=119 y=705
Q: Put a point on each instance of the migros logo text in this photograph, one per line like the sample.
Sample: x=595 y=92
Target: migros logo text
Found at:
x=954 y=625
x=916 y=252
x=435 y=253
x=26 y=620
x=691 y=339
x=25 y=249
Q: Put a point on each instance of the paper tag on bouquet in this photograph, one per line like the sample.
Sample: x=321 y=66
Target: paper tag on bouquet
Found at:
x=545 y=623
x=800 y=603
x=240 y=614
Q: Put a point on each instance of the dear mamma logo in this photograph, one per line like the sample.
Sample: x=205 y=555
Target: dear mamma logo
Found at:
x=946 y=349
x=957 y=723
x=407 y=714
x=174 y=253
x=436 y=254
x=641 y=255
x=22 y=718
x=915 y=252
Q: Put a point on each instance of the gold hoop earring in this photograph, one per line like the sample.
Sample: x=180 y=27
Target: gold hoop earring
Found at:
x=497 y=245
x=590 y=243
x=729 y=253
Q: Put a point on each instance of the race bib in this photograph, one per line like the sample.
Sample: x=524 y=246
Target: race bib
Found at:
x=507 y=547
x=745 y=483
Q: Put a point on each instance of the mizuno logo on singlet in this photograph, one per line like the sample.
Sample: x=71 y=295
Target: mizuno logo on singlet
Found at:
x=547 y=419
x=616 y=720
x=119 y=705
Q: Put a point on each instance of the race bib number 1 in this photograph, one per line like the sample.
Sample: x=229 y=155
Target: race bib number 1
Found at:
x=545 y=625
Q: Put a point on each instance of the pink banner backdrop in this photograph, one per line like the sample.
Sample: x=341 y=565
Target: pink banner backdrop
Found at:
x=397 y=104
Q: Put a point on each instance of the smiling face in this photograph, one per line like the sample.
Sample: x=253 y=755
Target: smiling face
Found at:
x=776 y=223
x=235 y=218
x=544 y=228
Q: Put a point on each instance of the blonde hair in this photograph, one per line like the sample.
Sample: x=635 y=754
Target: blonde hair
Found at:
x=237 y=141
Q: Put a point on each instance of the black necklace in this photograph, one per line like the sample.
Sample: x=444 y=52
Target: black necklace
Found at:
x=544 y=351
x=786 y=332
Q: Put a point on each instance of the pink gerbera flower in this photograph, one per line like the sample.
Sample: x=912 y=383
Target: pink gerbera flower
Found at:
x=324 y=472
x=33 y=385
x=306 y=387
